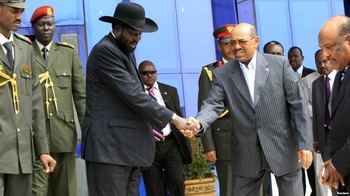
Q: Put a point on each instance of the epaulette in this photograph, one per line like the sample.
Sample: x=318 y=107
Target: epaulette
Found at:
x=24 y=38
x=210 y=65
x=66 y=44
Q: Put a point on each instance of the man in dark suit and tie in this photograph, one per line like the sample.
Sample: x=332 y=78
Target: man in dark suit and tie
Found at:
x=268 y=113
x=173 y=150
x=334 y=39
x=117 y=137
x=295 y=56
x=321 y=107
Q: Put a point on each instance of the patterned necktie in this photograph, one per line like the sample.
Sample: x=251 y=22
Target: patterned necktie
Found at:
x=327 y=116
x=158 y=134
x=8 y=46
x=45 y=54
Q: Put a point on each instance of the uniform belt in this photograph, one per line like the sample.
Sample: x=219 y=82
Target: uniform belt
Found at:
x=165 y=138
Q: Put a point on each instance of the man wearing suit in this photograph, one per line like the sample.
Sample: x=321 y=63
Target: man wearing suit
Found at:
x=295 y=56
x=22 y=125
x=320 y=125
x=117 y=138
x=171 y=152
x=268 y=111
x=216 y=139
x=63 y=87
x=334 y=39
x=324 y=67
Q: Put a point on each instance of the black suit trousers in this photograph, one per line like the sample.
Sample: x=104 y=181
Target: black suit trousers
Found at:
x=166 y=172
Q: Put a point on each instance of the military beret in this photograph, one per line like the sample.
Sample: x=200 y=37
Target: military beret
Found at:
x=41 y=11
x=14 y=3
x=223 y=32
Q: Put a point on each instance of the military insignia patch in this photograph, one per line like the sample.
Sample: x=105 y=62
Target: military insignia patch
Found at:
x=25 y=69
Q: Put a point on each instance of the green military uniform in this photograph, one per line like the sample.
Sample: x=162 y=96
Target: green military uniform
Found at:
x=22 y=124
x=63 y=87
x=218 y=136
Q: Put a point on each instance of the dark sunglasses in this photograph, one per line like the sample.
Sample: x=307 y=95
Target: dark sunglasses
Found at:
x=145 y=73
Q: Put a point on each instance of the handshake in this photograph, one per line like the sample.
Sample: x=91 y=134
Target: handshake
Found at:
x=188 y=127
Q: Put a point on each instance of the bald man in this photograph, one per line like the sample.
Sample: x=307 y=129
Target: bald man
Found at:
x=334 y=39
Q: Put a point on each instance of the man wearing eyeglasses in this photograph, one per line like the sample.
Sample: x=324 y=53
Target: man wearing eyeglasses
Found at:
x=174 y=149
x=268 y=114
x=216 y=139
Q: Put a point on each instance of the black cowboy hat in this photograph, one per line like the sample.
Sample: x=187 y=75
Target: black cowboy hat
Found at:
x=133 y=15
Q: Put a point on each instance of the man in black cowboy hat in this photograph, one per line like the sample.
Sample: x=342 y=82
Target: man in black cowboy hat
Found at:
x=117 y=137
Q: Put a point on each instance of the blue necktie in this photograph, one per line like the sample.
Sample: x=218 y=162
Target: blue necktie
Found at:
x=158 y=134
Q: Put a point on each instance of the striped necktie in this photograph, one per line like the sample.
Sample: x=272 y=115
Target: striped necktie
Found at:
x=158 y=134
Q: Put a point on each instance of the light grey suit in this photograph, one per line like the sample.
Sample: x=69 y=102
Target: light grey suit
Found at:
x=273 y=128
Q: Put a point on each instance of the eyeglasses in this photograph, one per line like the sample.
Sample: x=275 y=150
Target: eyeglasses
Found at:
x=240 y=42
x=145 y=73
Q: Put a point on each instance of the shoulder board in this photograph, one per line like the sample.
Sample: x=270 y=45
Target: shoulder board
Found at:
x=24 y=38
x=66 y=44
x=211 y=65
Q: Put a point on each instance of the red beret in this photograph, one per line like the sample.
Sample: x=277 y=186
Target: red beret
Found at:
x=41 y=11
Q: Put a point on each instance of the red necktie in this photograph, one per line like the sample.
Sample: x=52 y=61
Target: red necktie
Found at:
x=158 y=134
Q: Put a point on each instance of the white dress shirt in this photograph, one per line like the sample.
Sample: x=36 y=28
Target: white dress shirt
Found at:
x=249 y=75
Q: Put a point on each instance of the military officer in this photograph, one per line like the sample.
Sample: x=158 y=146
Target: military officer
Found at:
x=216 y=139
x=22 y=126
x=63 y=87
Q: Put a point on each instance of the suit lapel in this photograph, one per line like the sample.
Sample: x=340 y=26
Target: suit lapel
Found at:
x=164 y=94
x=53 y=55
x=240 y=82
x=38 y=54
x=18 y=53
x=339 y=90
x=261 y=74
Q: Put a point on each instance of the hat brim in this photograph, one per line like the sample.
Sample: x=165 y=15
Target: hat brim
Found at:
x=16 y=5
x=150 y=25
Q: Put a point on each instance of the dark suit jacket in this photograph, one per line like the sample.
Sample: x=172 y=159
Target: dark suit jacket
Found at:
x=318 y=113
x=306 y=71
x=218 y=135
x=266 y=124
x=171 y=100
x=340 y=127
x=118 y=114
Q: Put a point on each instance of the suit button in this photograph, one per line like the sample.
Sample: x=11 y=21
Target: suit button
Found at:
x=51 y=114
x=50 y=99
x=18 y=130
x=64 y=74
x=218 y=129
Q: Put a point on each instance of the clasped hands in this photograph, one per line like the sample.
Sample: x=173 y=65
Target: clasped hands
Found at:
x=188 y=127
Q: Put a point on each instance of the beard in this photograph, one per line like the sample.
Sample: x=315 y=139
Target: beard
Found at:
x=124 y=44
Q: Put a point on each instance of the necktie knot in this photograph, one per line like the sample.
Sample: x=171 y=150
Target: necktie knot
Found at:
x=8 y=47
